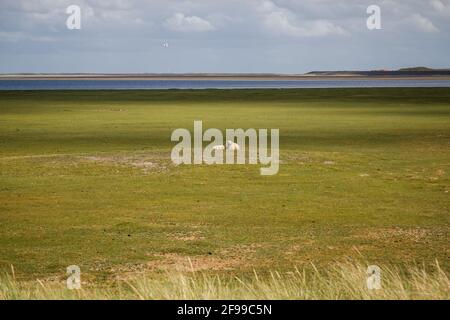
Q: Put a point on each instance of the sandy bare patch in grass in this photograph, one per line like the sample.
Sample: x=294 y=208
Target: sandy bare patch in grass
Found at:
x=327 y=159
x=297 y=248
x=182 y=263
x=187 y=236
x=438 y=174
x=398 y=233
x=242 y=249
x=148 y=163
x=295 y=158
x=235 y=257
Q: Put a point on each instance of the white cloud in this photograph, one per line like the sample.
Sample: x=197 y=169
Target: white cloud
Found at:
x=182 y=23
x=441 y=7
x=282 y=21
x=437 y=5
x=423 y=23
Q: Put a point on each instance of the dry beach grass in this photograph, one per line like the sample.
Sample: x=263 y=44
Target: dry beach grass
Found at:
x=341 y=281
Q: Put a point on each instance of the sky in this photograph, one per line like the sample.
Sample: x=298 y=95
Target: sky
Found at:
x=223 y=36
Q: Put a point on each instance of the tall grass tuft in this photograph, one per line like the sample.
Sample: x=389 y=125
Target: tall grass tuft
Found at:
x=343 y=281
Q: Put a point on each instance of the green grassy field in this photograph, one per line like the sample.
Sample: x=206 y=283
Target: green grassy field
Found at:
x=86 y=179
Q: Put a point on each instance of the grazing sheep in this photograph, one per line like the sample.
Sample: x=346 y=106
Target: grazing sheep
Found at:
x=230 y=145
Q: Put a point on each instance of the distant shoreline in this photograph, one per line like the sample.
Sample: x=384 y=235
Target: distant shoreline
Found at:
x=212 y=77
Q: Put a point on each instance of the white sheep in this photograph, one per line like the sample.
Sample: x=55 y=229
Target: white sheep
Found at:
x=230 y=145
